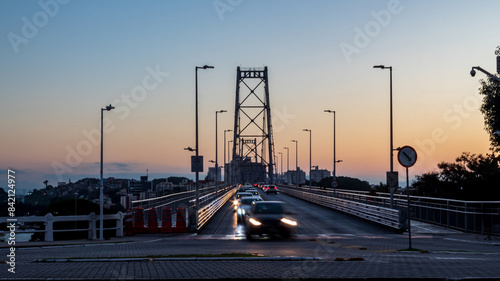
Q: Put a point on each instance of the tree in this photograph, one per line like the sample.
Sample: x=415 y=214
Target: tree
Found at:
x=430 y=185
x=3 y=202
x=470 y=177
x=490 y=108
x=66 y=207
x=346 y=183
x=381 y=187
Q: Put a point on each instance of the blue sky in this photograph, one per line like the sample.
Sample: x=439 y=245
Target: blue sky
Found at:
x=85 y=55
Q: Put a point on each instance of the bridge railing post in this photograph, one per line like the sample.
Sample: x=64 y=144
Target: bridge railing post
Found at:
x=92 y=227
x=119 y=225
x=49 y=227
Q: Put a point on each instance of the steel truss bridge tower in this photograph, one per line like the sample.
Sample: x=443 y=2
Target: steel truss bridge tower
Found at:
x=253 y=145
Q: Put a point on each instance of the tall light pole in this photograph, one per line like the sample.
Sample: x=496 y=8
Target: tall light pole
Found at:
x=281 y=171
x=287 y=164
x=310 y=158
x=334 y=172
x=391 y=131
x=76 y=212
x=101 y=192
x=197 y=147
x=216 y=155
x=229 y=157
x=296 y=162
x=225 y=170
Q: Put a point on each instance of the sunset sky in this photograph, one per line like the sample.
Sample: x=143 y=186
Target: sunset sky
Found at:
x=61 y=61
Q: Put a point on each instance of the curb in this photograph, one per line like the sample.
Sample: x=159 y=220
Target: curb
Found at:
x=181 y=259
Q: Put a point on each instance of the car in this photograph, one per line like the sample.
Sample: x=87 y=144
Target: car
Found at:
x=238 y=196
x=244 y=205
x=269 y=218
x=253 y=191
x=270 y=189
x=243 y=188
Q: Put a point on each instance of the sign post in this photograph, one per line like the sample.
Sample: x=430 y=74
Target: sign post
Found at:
x=407 y=156
x=335 y=184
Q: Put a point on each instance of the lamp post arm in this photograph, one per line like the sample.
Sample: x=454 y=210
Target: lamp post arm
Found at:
x=485 y=72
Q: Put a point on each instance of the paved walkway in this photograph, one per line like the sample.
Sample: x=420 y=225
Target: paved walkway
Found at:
x=442 y=254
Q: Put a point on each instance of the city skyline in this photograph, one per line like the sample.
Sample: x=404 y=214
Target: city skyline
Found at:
x=62 y=61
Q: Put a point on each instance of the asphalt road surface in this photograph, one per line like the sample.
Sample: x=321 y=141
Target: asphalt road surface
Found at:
x=313 y=220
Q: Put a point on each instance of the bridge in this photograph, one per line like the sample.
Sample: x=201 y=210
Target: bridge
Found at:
x=316 y=205
x=329 y=243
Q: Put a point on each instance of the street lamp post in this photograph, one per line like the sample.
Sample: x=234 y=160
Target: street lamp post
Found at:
x=101 y=192
x=473 y=73
x=225 y=170
x=76 y=212
x=334 y=172
x=197 y=193
x=310 y=158
x=391 y=130
x=287 y=164
x=296 y=162
x=281 y=171
x=229 y=157
x=216 y=156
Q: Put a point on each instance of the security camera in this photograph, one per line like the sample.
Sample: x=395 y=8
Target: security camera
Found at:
x=473 y=73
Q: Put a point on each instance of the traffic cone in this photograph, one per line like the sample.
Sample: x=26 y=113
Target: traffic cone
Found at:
x=166 y=220
x=152 y=221
x=180 y=225
x=139 y=220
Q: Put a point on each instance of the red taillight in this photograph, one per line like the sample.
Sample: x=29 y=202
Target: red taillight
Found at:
x=275 y=187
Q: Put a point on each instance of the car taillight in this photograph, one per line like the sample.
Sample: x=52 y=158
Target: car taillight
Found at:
x=275 y=187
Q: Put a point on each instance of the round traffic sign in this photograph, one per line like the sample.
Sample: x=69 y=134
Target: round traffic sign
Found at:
x=407 y=156
x=335 y=184
x=197 y=160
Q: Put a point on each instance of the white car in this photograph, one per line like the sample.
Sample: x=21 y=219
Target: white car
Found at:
x=244 y=206
x=237 y=198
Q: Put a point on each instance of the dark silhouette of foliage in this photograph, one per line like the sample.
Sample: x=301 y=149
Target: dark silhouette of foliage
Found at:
x=470 y=177
x=490 y=89
x=381 y=187
x=346 y=183
x=66 y=207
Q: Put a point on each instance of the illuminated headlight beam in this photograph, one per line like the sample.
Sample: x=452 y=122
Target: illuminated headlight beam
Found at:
x=254 y=222
x=289 y=222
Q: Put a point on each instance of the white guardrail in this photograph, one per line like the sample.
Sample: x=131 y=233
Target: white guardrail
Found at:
x=50 y=219
x=207 y=212
x=389 y=217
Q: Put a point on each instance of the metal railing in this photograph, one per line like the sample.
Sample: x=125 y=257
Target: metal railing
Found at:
x=175 y=198
x=48 y=220
x=207 y=212
x=468 y=216
x=391 y=218
x=209 y=205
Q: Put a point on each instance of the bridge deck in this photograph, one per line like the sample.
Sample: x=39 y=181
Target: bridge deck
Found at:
x=341 y=248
